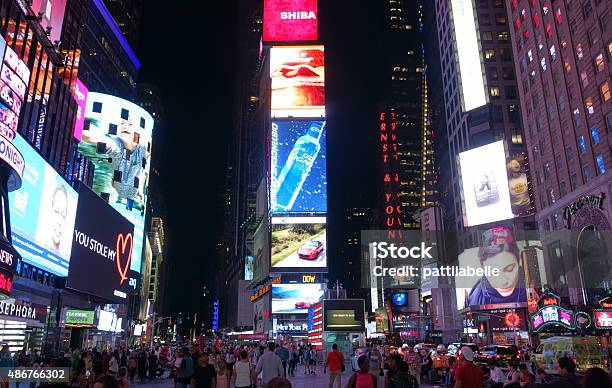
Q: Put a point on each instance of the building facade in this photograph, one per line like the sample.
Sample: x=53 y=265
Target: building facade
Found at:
x=562 y=52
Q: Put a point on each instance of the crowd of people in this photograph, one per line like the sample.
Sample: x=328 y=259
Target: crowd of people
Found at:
x=272 y=365
x=407 y=368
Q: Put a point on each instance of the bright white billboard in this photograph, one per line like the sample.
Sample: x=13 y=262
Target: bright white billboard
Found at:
x=484 y=182
x=471 y=72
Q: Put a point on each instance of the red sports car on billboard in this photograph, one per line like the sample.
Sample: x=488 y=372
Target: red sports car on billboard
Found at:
x=302 y=305
x=310 y=250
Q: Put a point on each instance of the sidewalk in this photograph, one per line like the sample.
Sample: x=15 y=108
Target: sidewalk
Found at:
x=319 y=380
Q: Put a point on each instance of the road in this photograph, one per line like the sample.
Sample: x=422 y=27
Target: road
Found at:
x=294 y=261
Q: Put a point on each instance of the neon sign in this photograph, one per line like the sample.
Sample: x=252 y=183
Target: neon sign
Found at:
x=512 y=319
x=603 y=319
x=552 y=316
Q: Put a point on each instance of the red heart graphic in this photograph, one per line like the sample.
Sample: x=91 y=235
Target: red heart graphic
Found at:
x=121 y=245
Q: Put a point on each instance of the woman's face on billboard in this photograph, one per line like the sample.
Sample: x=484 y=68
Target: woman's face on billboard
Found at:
x=508 y=277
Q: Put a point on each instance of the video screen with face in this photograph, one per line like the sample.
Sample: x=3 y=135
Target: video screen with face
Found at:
x=518 y=265
x=42 y=214
x=116 y=137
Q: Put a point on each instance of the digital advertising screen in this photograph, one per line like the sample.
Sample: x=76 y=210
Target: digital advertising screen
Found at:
x=471 y=71
x=486 y=196
x=101 y=251
x=399 y=299
x=518 y=265
x=299 y=245
x=298 y=167
x=52 y=12
x=344 y=315
x=295 y=298
x=298 y=81
x=79 y=92
x=117 y=138
x=77 y=318
x=109 y=321
x=42 y=213
x=290 y=20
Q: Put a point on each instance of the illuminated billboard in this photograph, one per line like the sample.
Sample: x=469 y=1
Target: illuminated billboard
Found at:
x=299 y=244
x=101 y=250
x=42 y=213
x=298 y=81
x=79 y=93
x=508 y=268
x=484 y=181
x=290 y=20
x=295 y=298
x=298 y=170
x=468 y=53
x=117 y=138
x=52 y=16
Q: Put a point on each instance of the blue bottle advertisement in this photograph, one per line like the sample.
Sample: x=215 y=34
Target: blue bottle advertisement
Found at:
x=298 y=167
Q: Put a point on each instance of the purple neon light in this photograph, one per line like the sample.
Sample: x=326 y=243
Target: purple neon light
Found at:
x=111 y=22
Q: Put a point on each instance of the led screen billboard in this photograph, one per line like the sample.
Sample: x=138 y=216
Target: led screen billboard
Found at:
x=518 y=265
x=344 y=315
x=79 y=92
x=295 y=298
x=52 y=15
x=290 y=20
x=101 y=250
x=77 y=318
x=299 y=245
x=298 y=81
x=117 y=138
x=486 y=195
x=298 y=169
x=468 y=53
x=42 y=214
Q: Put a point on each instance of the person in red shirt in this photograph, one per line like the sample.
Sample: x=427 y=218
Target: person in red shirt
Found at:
x=468 y=375
x=335 y=360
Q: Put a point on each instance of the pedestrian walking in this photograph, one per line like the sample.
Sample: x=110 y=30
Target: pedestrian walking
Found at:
x=363 y=378
x=335 y=361
x=242 y=375
x=269 y=365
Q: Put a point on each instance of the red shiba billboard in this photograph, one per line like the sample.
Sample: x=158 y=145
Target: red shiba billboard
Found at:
x=290 y=20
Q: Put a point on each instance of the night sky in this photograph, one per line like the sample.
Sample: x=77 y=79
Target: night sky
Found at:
x=189 y=51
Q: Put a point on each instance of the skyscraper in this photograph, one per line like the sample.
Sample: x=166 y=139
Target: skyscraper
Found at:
x=562 y=53
x=407 y=168
x=127 y=15
x=476 y=102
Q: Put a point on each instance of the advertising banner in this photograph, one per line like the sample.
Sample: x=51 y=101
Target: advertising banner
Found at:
x=468 y=53
x=42 y=213
x=109 y=321
x=295 y=298
x=52 y=13
x=290 y=20
x=101 y=251
x=515 y=264
x=117 y=138
x=77 y=318
x=298 y=81
x=301 y=245
x=344 y=315
x=79 y=93
x=486 y=194
x=298 y=170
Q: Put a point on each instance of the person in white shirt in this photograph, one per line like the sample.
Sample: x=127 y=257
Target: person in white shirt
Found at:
x=497 y=375
x=269 y=364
